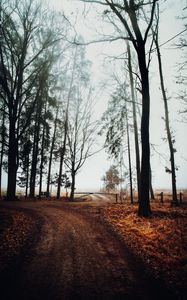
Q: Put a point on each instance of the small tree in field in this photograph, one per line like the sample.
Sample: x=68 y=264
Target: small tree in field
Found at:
x=111 y=179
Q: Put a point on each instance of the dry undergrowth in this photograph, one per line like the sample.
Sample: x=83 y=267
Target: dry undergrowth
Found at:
x=159 y=241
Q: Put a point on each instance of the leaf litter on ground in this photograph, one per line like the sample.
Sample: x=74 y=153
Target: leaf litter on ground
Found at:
x=159 y=241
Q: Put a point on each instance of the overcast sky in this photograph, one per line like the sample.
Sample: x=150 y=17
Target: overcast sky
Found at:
x=89 y=177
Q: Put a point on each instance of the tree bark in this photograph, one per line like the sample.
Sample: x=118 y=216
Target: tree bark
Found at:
x=2 y=148
x=72 y=194
x=62 y=153
x=42 y=161
x=144 y=203
x=151 y=186
x=27 y=178
x=12 y=161
x=137 y=152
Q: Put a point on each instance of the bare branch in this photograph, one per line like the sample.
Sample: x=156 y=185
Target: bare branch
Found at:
x=99 y=41
x=95 y=1
x=151 y=20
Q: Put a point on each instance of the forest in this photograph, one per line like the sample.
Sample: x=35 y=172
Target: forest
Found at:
x=126 y=240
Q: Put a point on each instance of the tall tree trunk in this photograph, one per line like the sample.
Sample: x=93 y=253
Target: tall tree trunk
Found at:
x=144 y=203
x=167 y=124
x=2 y=149
x=62 y=154
x=42 y=161
x=27 y=178
x=72 y=194
x=51 y=152
x=151 y=186
x=129 y=158
x=42 y=153
x=137 y=152
x=34 y=157
x=12 y=161
x=63 y=148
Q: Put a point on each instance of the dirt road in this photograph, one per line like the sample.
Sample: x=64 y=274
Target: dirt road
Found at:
x=73 y=256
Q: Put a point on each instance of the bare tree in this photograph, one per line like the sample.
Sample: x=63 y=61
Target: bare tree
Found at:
x=80 y=137
x=128 y=13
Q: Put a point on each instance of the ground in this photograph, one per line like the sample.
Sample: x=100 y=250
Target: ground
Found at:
x=59 y=250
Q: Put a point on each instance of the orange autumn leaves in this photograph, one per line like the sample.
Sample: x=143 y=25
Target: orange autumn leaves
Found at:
x=160 y=241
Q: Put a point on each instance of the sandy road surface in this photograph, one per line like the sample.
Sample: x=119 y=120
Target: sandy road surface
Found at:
x=73 y=257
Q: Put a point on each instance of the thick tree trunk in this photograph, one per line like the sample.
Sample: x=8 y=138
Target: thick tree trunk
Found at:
x=72 y=194
x=42 y=161
x=137 y=152
x=12 y=161
x=151 y=186
x=34 y=159
x=1 y=168
x=167 y=124
x=62 y=154
x=49 y=167
x=27 y=178
x=2 y=149
x=144 y=203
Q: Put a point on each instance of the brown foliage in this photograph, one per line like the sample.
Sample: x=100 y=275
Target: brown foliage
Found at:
x=159 y=241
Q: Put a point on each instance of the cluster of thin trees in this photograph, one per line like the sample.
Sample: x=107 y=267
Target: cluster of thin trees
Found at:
x=45 y=100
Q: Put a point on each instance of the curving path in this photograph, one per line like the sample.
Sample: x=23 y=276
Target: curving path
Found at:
x=74 y=256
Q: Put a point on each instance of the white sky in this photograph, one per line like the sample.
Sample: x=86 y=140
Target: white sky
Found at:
x=89 y=177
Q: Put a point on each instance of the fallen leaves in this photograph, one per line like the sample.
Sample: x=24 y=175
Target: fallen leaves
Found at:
x=160 y=241
x=14 y=229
